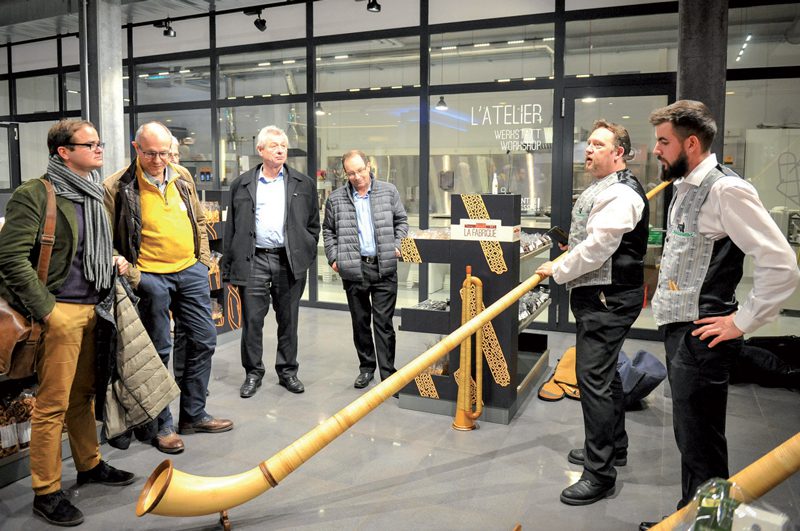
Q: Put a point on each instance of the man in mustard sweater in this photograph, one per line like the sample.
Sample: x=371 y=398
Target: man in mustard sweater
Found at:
x=159 y=226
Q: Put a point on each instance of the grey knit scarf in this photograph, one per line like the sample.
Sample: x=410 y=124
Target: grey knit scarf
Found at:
x=97 y=247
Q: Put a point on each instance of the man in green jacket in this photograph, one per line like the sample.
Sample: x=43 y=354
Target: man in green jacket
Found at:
x=80 y=274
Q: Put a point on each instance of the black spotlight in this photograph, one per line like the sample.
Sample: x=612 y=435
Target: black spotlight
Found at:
x=373 y=6
x=260 y=23
x=167 y=25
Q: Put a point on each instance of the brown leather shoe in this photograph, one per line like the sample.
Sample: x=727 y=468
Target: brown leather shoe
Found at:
x=170 y=443
x=207 y=424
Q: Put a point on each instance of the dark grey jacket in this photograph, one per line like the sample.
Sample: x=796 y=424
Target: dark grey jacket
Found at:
x=340 y=228
x=300 y=228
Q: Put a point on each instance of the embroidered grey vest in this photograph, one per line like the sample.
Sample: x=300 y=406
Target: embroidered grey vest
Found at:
x=698 y=276
x=626 y=265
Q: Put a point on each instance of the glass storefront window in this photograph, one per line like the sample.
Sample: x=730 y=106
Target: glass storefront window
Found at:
x=70 y=50
x=33 y=149
x=483 y=137
x=4 y=101
x=622 y=45
x=193 y=130
x=5 y=160
x=764 y=36
x=173 y=81
x=762 y=143
x=374 y=65
x=34 y=55
x=507 y=135
x=72 y=80
x=500 y=55
x=3 y=59
x=37 y=94
x=387 y=130
x=239 y=127
x=267 y=73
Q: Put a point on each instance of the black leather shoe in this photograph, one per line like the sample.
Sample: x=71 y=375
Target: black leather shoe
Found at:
x=56 y=509
x=585 y=492
x=363 y=379
x=105 y=474
x=292 y=384
x=249 y=387
x=576 y=457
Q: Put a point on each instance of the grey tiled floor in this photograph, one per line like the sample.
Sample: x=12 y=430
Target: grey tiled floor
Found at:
x=399 y=469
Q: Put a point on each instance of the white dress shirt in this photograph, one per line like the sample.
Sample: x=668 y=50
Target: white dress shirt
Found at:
x=615 y=212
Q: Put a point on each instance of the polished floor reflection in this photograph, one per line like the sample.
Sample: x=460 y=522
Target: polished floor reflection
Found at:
x=401 y=470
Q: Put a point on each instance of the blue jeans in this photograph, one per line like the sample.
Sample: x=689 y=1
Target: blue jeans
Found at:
x=186 y=293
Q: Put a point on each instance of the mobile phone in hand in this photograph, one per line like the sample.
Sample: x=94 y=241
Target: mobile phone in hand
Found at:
x=557 y=234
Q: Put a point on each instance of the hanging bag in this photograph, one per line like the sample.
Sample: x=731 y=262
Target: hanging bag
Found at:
x=20 y=337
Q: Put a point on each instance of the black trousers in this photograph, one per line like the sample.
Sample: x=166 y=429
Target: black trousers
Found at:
x=601 y=330
x=270 y=281
x=699 y=377
x=372 y=301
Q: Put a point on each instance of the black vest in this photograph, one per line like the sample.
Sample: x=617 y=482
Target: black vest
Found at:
x=627 y=262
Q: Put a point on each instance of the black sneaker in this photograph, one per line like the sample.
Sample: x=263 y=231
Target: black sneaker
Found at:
x=56 y=509
x=105 y=474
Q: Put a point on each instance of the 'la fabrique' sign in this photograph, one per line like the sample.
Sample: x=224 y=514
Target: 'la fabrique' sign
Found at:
x=484 y=229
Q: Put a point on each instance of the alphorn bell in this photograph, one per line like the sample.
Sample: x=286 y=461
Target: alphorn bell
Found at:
x=465 y=417
x=170 y=492
x=755 y=480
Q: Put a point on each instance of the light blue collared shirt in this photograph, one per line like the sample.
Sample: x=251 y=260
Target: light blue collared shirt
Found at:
x=366 y=230
x=270 y=211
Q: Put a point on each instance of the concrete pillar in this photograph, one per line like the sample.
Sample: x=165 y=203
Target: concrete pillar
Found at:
x=702 y=58
x=101 y=37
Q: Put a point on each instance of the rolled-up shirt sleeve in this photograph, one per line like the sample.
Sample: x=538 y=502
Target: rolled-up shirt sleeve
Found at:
x=615 y=212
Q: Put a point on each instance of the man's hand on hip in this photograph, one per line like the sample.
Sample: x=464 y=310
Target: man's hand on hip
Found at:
x=721 y=327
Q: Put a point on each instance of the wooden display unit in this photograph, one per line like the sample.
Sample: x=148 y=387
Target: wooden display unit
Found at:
x=524 y=354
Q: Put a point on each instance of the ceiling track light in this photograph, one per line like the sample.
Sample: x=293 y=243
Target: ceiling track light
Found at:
x=167 y=25
x=318 y=110
x=441 y=105
x=259 y=22
x=373 y=6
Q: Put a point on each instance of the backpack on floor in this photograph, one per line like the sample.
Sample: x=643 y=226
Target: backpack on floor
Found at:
x=640 y=376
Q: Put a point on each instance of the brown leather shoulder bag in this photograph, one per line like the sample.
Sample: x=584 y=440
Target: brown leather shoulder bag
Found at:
x=20 y=337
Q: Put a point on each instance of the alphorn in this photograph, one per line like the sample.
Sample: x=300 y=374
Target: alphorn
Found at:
x=170 y=492
x=465 y=417
x=755 y=480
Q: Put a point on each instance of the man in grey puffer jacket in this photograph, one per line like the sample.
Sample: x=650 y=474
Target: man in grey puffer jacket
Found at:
x=364 y=222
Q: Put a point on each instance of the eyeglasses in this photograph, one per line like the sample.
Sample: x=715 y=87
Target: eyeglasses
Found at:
x=175 y=157
x=93 y=146
x=155 y=154
x=361 y=171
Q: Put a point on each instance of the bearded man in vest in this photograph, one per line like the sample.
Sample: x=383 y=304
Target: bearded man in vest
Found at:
x=604 y=271
x=714 y=220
